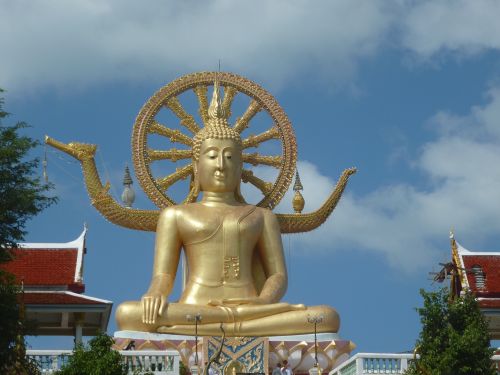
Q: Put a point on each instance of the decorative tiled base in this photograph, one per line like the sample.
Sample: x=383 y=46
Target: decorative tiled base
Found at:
x=245 y=354
x=253 y=353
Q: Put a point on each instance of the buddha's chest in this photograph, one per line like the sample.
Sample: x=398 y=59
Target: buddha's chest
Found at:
x=221 y=227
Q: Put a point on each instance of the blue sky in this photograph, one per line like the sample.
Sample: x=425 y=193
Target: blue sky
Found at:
x=408 y=92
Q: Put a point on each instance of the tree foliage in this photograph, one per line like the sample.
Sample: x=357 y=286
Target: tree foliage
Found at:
x=95 y=359
x=454 y=339
x=23 y=194
x=9 y=315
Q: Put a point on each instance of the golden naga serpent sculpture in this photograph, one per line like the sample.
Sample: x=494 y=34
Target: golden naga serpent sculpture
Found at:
x=147 y=125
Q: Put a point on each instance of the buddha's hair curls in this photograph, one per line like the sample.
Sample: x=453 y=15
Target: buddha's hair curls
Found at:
x=218 y=129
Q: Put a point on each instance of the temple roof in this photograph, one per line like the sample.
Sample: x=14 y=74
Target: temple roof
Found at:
x=53 y=265
x=479 y=272
x=52 y=279
x=482 y=271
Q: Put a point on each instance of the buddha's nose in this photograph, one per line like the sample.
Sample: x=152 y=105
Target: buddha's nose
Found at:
x=220 y=162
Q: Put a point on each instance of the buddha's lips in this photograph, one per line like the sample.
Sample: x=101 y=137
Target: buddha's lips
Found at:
x=219 y=175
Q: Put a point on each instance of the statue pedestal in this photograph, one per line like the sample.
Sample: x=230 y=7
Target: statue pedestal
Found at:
x=298 y=350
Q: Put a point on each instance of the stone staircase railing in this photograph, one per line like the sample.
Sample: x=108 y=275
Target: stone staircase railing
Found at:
x=137 y=361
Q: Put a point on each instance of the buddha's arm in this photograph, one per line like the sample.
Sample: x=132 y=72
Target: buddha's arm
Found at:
x=271 y=250
x=167 y=253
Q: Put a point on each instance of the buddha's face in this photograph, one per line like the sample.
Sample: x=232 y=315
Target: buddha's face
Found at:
x=219 y=165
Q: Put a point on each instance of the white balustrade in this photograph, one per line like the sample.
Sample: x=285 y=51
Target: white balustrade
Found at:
x=496 y=362
x=136 y=361
x=157 y=362
x=383 y=363
x=167 y=362
x=49 y=361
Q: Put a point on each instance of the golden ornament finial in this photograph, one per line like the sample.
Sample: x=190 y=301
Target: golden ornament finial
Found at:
x=298 y=201
x=298 y=184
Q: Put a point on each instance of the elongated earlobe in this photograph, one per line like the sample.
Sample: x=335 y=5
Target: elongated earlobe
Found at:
x=195 y=190
x=237 y=193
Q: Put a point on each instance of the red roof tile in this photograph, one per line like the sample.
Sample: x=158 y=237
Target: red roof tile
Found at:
x=43 y=266
x=490 y=265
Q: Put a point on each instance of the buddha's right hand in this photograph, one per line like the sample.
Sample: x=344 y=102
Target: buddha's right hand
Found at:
x=153 y=305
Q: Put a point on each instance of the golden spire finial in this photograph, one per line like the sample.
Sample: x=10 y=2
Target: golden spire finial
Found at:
x=215 y=110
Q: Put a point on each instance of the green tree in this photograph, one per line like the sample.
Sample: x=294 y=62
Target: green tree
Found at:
x=96 y=359
x=9 y=315
x=454 y=339
x=23 y=196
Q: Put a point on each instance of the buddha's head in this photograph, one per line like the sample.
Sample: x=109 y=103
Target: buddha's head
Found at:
x=217 y=154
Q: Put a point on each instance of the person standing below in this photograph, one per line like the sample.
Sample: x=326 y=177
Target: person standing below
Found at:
x=211 y=370
x=286 y=370
x=277 y=370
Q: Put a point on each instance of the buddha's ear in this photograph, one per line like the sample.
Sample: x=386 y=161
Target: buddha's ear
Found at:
x=237 y=194
x=193 y=195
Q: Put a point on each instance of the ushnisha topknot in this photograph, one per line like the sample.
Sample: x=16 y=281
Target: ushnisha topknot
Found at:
x=215 y=110
x=217 y=126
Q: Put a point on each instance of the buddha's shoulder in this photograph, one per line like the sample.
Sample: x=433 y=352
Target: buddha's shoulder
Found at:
x=266 y=212
x=169 y=213
x=256 y=210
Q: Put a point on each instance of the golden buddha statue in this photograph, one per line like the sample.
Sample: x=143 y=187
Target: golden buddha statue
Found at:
x=236 y=267
x=220 y=235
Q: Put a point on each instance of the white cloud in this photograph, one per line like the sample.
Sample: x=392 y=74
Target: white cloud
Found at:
x=460 y=26
x=71 y=44
x=82 y=42
x=406 y=224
